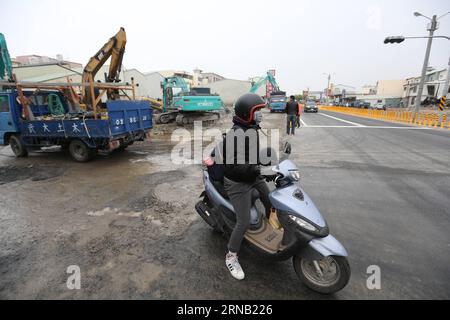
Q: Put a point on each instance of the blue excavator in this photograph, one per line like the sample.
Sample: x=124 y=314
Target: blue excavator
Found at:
x=276 y=99
x=185 y=105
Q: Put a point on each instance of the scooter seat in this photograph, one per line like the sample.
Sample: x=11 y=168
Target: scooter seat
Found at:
x=221 y=189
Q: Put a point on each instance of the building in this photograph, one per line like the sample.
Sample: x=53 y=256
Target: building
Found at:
x=201 y=79
x=369 y=89
x=230 y=89
x=34 y=59
x=393 y=88
x=188 y=77
x=210 y=77
x=154 y=80
x=50 y=72
x=388 y=92
x=433 y=87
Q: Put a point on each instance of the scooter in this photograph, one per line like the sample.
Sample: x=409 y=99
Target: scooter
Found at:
x=295 y=228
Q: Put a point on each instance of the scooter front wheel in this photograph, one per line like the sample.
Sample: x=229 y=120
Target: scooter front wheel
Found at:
x=327 y=275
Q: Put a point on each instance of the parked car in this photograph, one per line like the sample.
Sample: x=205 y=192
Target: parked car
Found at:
x=379 y=106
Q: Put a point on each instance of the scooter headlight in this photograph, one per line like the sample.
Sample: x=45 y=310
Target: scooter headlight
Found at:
x=302 y=223
x=294 y=175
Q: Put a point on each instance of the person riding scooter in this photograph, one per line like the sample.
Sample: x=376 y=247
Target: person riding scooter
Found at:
x=242 y=172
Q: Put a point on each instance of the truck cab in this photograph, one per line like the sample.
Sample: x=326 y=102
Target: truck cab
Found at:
x=8 y=123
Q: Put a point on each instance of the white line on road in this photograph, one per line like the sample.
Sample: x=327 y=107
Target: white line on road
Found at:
x=303 y=122
x=370 y=127
x=339 y=119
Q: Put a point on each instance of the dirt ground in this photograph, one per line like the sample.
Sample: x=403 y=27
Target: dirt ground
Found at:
x=125 y=219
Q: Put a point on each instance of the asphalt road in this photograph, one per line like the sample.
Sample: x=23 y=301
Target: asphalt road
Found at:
x=385 y=191
x=128 y=220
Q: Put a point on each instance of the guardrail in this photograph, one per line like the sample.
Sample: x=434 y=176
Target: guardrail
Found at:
x=429 y=119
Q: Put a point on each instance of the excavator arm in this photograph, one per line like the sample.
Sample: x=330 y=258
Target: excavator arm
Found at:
x=114 y=48
x=5 y=61
x=269 y=77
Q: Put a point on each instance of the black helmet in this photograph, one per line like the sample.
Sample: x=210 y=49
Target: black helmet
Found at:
x=246 y=105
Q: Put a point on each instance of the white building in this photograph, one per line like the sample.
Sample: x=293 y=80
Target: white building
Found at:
x=230 y=90
x=433 y=87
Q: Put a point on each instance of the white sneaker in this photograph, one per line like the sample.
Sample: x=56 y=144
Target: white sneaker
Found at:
x=234 y=267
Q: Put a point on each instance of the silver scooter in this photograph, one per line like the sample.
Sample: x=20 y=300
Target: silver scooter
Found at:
x=294 y=229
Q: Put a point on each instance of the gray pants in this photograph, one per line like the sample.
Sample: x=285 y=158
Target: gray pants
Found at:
x=291 y=123
x=240 y=195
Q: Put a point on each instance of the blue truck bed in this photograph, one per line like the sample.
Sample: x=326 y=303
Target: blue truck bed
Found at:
x=124 y=117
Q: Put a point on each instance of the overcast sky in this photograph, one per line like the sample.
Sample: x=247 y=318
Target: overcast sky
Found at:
x=238 y=39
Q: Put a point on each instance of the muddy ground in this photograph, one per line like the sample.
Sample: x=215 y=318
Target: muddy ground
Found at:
x=126 y=219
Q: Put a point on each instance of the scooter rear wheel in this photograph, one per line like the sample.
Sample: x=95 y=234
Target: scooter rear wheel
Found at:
x=327 y=275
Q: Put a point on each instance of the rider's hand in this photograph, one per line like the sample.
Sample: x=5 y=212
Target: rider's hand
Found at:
x=270 y=177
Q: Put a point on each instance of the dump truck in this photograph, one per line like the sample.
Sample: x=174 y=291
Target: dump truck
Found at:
x=36 y=115
x=47 y=121
x=276 y=100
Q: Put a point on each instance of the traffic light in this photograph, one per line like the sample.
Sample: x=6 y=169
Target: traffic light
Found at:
x=394 y=39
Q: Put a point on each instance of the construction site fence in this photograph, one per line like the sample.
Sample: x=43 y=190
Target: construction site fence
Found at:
x=429 y=119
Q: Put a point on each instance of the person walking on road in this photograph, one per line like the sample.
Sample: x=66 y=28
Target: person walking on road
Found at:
x=292 y=110
x=298 y=115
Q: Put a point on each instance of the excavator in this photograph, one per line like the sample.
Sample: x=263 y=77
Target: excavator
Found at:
x=276 y=99
x=185 y=105
x=114 y=48
x=5 y=61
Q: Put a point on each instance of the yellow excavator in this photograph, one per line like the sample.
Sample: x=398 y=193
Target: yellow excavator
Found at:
x=114 y=48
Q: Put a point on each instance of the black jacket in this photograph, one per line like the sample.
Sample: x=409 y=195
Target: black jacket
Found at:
x=243 y=164
x=292 y=108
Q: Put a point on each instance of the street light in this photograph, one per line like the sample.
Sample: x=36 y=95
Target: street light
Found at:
x=398 y=39
x=431 y=27
x=418 y=14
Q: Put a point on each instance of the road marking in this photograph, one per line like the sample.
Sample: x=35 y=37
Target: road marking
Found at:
x=303 y=122
x=339 y=119
x=371 y=127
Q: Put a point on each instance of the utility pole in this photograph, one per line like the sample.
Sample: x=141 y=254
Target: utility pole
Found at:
x=328 y=85
x=447 y=81
x=431 y=29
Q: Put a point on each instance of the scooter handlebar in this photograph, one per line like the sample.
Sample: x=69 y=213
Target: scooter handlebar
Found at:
x=269 y=177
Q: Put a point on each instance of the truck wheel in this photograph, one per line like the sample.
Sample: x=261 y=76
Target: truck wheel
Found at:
x=80 y=151
x=17 y=146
